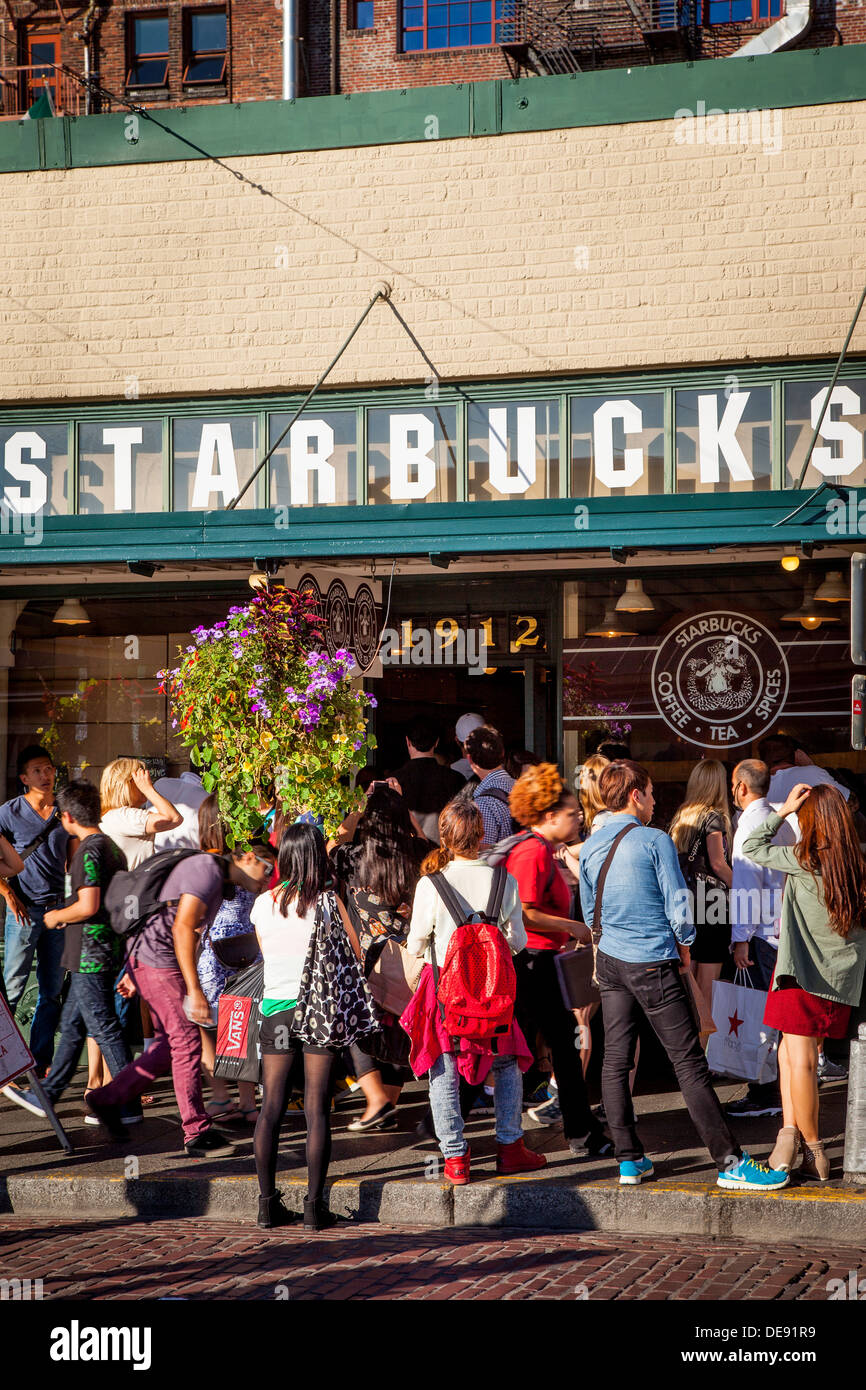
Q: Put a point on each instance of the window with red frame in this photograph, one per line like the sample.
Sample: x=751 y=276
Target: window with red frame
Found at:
x=431 y=24
x=147 y=50
x=204 y=46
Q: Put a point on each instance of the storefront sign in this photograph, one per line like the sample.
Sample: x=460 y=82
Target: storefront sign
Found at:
x=350 y=613
x=719 y=679
x=719 y=439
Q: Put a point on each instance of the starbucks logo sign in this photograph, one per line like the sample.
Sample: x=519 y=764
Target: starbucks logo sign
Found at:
x=720 y=679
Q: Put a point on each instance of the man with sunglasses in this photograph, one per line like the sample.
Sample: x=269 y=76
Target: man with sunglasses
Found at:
x=162 y=969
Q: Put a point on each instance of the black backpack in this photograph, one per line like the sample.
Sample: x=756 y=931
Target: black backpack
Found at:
x=132 y=896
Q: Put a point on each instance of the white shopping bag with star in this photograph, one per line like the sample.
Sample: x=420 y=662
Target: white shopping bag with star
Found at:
x=743 y=1045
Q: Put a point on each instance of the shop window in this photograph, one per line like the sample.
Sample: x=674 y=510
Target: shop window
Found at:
x=120 y=467
x=316 y=464
x=432 y=24
x=91 y=692
x=36 y=470
x=740 y=11
x=710 y=669
x=212 y=459
x=839 y=448
x=204 y=47
x=147 y=50
x=617 y=445
x=412 y=455
x=513 y=451
x=361 y=14
x=723 y=439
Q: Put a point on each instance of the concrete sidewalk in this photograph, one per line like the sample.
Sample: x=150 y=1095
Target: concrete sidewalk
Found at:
x=389 y=1177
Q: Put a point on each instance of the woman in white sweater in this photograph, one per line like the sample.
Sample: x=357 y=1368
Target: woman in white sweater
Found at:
x=461 y=831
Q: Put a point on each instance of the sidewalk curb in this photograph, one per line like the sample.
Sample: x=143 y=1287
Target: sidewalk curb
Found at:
x=657 y=1208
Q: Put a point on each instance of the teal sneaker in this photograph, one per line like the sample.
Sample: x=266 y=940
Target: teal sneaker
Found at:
x=634 y=1170
x=751 y=1176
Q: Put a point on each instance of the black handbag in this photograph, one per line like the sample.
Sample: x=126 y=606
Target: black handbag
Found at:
x=237 y=952
x=713 y=886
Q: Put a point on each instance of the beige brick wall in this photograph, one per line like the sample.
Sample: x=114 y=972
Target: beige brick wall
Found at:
x=180 y=277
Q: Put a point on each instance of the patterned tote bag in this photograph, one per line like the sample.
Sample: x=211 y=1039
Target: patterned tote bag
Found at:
x=334 y=1006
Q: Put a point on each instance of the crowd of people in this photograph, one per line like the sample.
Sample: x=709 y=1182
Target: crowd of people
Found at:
x=496 y=855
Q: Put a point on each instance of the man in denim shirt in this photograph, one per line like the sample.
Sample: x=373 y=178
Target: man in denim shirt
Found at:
x=646 y=926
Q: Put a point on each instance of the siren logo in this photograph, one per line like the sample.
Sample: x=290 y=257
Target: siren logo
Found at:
x=720 y=679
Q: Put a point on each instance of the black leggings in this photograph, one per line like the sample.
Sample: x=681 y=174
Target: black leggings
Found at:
x=318 y=1085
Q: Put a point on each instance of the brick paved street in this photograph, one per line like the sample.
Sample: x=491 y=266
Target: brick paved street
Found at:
x=201 y=1259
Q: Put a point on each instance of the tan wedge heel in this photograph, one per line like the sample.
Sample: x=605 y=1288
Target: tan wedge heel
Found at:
x=785 y=1152
x=815 y=1163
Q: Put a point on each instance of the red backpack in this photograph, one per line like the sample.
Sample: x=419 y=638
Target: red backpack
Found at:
x=477 y=984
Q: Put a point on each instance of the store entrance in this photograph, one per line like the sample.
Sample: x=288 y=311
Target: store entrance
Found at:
x=520 y=703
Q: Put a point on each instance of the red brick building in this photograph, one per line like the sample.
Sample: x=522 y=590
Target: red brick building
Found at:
x=170 y=52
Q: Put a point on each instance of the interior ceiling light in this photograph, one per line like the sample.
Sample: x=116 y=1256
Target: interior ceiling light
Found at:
x=71 y=612
x=790 y=561
x=611 y=626
x=634 y=600
x=834 y=589
x=807 y=615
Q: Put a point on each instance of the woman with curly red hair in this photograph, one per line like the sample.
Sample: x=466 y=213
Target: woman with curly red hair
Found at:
x=822 y=955
x=541 y=802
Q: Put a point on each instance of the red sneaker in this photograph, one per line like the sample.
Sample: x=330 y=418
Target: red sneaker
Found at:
x=457 y=1169
x=517 y=1158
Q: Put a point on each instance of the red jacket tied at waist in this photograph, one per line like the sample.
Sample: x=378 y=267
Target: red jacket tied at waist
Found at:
x=422 y=1020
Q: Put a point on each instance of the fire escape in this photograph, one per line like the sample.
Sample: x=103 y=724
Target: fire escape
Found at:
x=546 y=38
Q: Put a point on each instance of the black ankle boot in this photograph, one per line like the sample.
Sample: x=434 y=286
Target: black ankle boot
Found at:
x=273 y=1213
x=316 y=1216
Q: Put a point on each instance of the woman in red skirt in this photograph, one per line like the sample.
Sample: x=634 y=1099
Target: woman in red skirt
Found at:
x=822 y=955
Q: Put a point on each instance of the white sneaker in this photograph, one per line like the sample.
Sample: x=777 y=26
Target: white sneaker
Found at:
x=26 y=1099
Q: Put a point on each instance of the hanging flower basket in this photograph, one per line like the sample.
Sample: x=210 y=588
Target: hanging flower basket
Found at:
x=269 y=715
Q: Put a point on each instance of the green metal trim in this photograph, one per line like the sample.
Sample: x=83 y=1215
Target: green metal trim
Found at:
x=777 y=437
x=564 y=411
x=806 y=77
x=361 y=455
x=462 y=441
x=700 y=521
x=669 y=442
x=72 y=470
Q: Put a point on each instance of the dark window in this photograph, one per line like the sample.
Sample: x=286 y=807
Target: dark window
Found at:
x=147 y=47
x=204 y=46
x=363 y=16
x=454 y=23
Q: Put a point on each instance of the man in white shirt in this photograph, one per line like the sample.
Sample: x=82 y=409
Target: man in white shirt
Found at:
x=789 y=765
x=186 y=793
x=756 y=909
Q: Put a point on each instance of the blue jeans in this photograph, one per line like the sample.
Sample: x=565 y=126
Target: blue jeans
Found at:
x=88 y=1012
x=445 y=1103
x=23 y=942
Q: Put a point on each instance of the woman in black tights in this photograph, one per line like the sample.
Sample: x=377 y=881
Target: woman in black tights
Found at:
x=284 y=919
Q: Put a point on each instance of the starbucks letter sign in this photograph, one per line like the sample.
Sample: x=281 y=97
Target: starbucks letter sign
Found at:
x=720 y=679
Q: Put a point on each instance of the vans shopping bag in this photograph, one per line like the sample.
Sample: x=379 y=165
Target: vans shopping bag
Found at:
x=239 y=1023
x=743 y=1044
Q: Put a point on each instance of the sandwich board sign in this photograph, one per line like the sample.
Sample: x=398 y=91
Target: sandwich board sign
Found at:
x=15 y=1055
